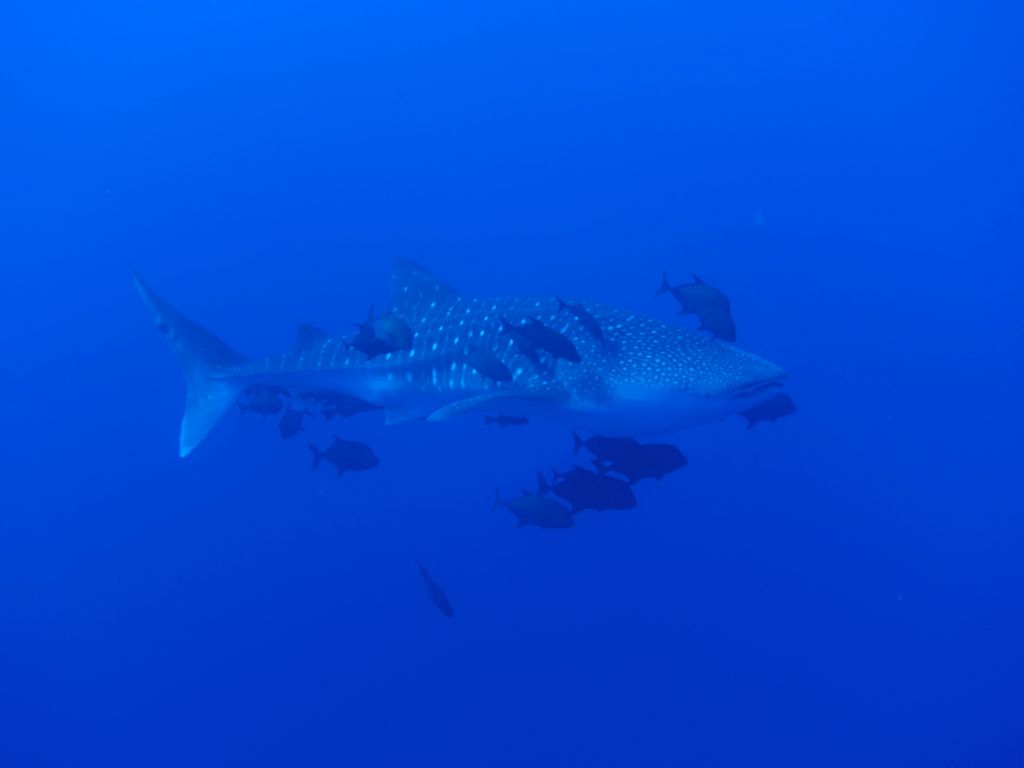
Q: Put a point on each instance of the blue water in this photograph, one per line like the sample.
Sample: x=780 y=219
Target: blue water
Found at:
x=840 y=588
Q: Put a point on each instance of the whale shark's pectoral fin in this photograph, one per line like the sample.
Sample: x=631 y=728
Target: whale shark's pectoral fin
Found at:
x=399 y=415
x=472 y=403
x=464 y=406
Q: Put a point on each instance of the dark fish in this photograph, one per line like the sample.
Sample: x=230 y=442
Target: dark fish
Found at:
x=605 y=448
x=307 y=335
x=291 y=422
x=522 y=341
x=709 y=304
x=394 y=331
x=771 y=409
x=717 y=322
x=584 y=489
x=345 y=455
x=654 y=460
x=346 y=407
x=536 y=509
x=587 y=320
x=265 y=401
x=437 y=595
x=380 y=335
x=539 y=336
x=337 y=404
x=488 y=366
x=506 y=421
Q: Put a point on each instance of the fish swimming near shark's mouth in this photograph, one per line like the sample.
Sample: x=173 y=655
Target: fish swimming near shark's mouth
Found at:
x=639 y=376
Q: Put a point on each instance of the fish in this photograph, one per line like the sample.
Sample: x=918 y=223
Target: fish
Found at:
x=437 y=595
x=523 y=343
x=776 y=407
x=649 y=378
x=266 y=401
x=538 y=336
x=381 y=335
x=506 y=421
x=488 y=366
x=587 y=320
x=291 y=422
x=337 y=404
x=605 y=448
x=345 y=455
x=584 y=489
x=651 y=460
x=709 y=304
x=535 y=509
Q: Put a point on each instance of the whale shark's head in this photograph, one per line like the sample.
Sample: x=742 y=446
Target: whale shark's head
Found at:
x=732 y=376
x=719 y=379
x=666 y=379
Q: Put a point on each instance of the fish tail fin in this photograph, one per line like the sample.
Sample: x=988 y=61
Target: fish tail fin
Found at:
x=200 y=355
x=600 y=466
x=665 y=286
x=578 y=443
x=555 y=475
x=317 y=455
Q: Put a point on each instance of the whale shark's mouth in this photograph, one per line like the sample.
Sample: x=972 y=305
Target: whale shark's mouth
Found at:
x=758 y=388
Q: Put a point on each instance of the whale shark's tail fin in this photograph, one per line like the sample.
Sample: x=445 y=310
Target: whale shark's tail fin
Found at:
x=200 y=354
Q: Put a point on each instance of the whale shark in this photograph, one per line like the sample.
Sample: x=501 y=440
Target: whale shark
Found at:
x=640 y=376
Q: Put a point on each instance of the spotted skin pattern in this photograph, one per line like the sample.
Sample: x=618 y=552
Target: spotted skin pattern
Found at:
x=646 y=377
x=642 y=360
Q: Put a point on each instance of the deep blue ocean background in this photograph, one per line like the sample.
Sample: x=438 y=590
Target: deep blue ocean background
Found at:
x=841 y=588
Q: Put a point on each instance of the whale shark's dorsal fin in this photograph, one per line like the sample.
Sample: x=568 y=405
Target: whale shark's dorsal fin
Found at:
x=415 y=289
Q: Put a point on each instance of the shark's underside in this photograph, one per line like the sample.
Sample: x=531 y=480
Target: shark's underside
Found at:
x=643 y=377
